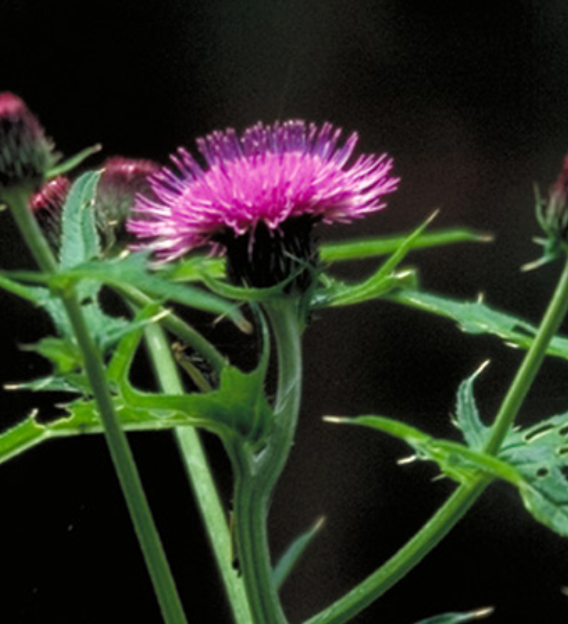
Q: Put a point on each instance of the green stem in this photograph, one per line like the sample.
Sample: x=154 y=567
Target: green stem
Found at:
x=554 y=315
x=17 y=200
x=256 y=475
x=121 y=455
x=360 y=597
x=200 y=477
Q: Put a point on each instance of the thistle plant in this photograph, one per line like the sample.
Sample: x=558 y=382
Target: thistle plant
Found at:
x=233 y=236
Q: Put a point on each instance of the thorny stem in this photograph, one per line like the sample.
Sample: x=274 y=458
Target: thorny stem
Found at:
x=121 y=455
x=361 y=596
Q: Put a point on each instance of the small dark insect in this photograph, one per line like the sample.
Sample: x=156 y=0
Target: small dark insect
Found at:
x=195 y=366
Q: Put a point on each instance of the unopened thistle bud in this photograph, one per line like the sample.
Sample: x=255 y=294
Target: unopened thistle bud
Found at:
x=47 y=205
x=553 y=212
x=121 y=181
x=26 y=155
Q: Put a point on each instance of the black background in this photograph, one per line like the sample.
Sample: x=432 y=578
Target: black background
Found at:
x=472 y=102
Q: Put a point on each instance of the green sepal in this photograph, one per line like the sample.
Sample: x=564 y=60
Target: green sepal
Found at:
x=552 y=246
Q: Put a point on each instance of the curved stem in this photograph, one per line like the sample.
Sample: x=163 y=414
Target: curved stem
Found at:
x=286 y=327
x=200 y=477
x=121 y=455
x=256 y=475
x=465 y=496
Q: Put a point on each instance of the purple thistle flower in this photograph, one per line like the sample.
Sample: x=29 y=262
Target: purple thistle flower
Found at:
x=272 y=182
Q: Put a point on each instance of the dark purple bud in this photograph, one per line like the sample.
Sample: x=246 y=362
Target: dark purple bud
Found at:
x=26 y=155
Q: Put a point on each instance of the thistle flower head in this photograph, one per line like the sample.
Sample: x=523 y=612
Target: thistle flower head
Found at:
x=271 y=182
x=554 y=217
x=47 y=205
x=25 y=153
x=121 y=180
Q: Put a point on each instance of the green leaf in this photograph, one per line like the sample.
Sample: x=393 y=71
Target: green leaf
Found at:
x=238 y=408
x=74 y=161
x=83 y=419
x=468 y=420
x=454 y=459
x=381 y=282
x=64 y=354
x=73 y=383
x=533 y=460
x=134 y=270
x=79 y=237
x=476 y=317
x=540 y=455
x=294 y=553
x=374 y=247
x=456 y=618
x=194 y=269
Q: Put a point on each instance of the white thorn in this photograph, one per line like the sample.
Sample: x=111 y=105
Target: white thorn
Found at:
x=406 y=460
x=333 y=419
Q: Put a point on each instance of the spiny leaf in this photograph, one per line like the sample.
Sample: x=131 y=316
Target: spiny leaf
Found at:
x=79 y=238
x=64 y=354
x=382 y=281
x=476 y=317
x=467 y=415
x=134 y=270
x=454 y=459
x=237 y=408
x=540 y=455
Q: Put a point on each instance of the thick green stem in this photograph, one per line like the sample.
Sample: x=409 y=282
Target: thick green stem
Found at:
x=201 y=479
x=121 y=455
x=465 y=496
x=127 y=472
x=256 y=475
